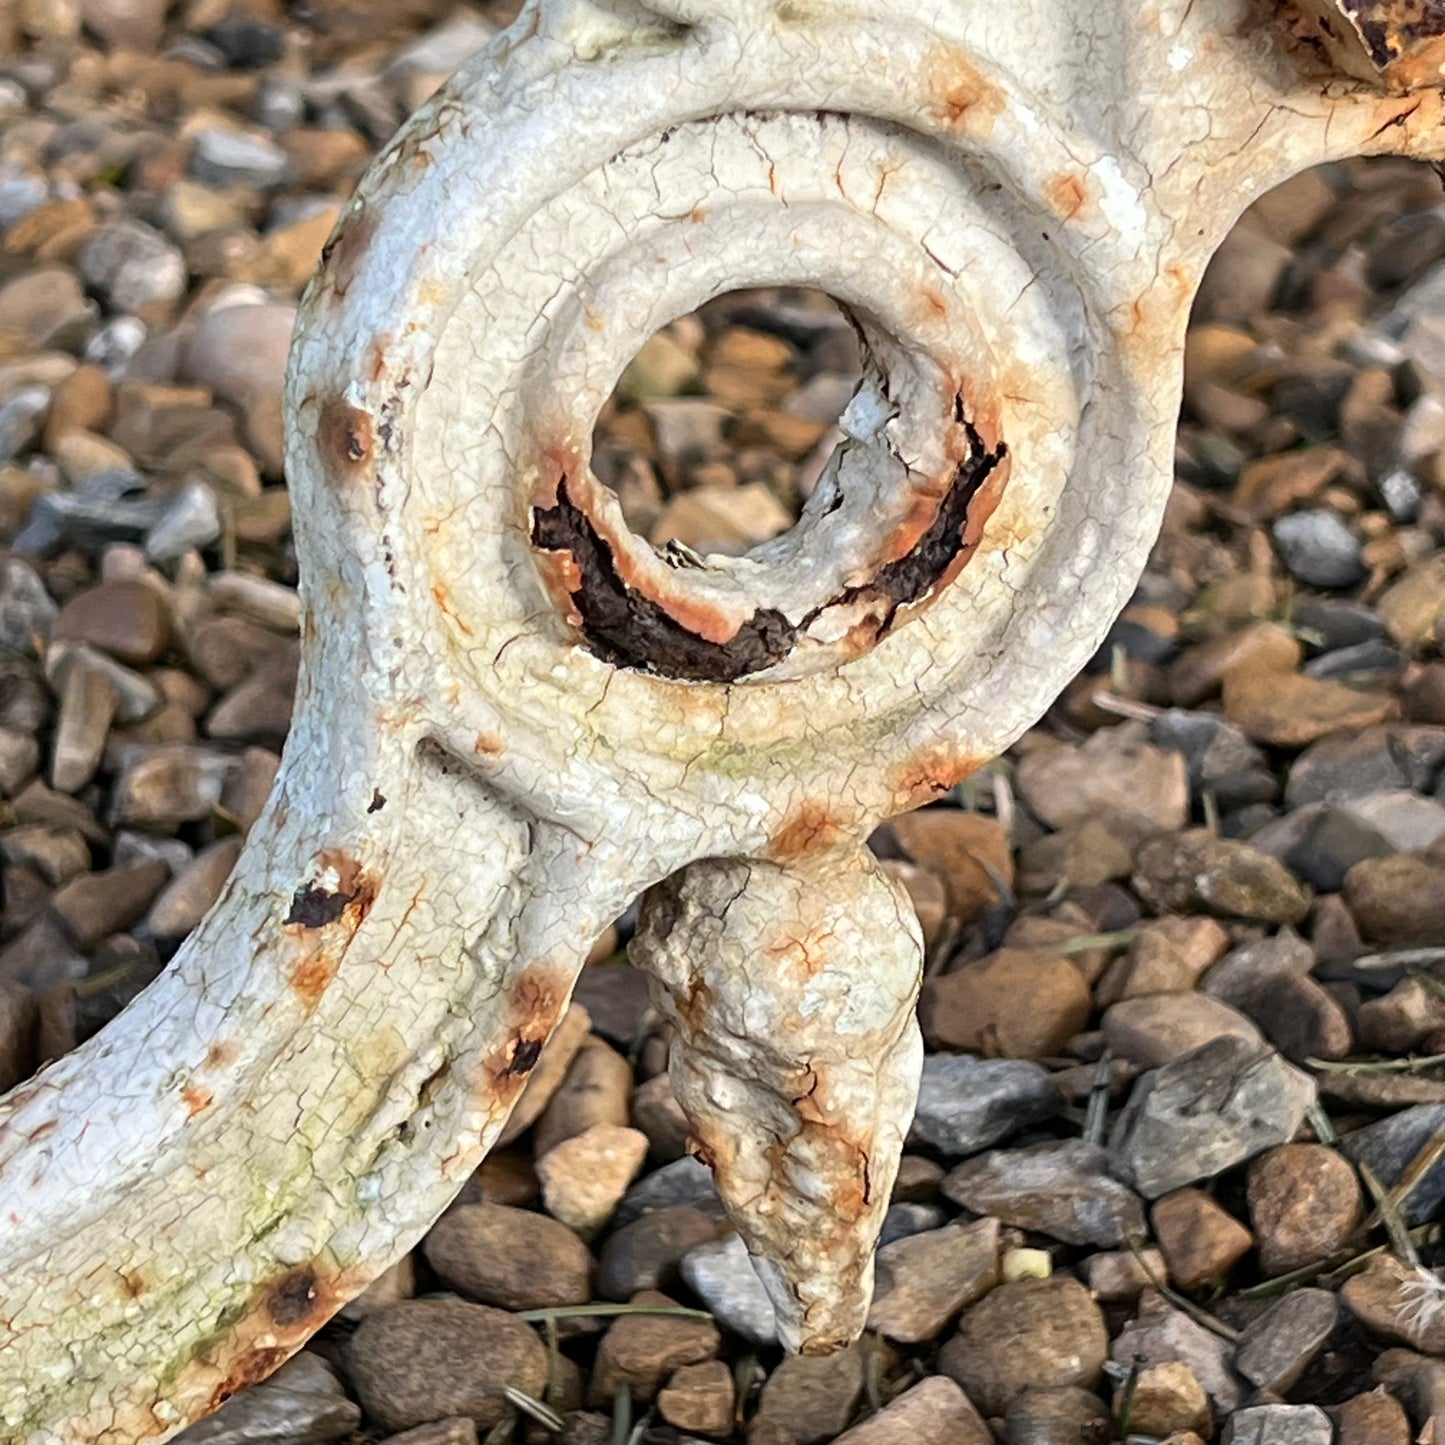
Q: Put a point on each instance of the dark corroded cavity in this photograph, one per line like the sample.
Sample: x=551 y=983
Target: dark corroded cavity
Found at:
x=313 y=906
x=625 y=627
x=292 y=1299
x=1392 y=28
x=525 y=1054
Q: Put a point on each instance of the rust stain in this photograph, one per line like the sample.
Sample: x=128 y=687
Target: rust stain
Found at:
x=133 y=1282
x=1067 y=195
x=346 y=247
x=196 y=1099
x=219 y=1055
x=928 y=776
x=376 y=357
x=345 y=438
x=315 y=905
x=811 y=828
x=247 y=1369
x=962 y=96
x=443 y=600
x=489 y=745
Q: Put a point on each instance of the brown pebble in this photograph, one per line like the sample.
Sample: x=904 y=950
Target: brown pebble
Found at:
x=1372 y=1419
x=976 y=1006
x=512 y=1258
x=969 y=852
x=699 y=1398
x=126 y=619
x=1304 y=1203
x=596 y=1090
x=1199 y=1240
x=641 y=1351
x=934 y=1412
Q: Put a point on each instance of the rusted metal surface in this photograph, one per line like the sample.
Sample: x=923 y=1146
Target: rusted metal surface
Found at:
x=514 y=716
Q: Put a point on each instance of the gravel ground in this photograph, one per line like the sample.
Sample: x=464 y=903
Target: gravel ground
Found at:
x=1180 y=1152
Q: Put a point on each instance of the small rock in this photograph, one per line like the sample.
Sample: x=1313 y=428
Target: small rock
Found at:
x=1390 y=1146
x=1262 y=647
x=1401 y=757
x=641 y=1351
x=976 y=1006
x=1203 y=1113
x=1159 y=1028
x=616 y=996
x=968 y=851
x=809 y=1398
x=700 y=1398
x=720 y=1273
x=646 y=1254
x=22 y=415
x=1372 y=1419
x=1120 y=1277
x=132 y=266
x=1279 y=1425
x=1033 y=1334
x=924 y=1280
x=1401 y=1021
x=95 y=905
x=1416 y=602
x=128 y=620
x=55 y=852
x=1115 y=775
x=966 y=1104
x=657 y=1113
x=1289 y=710
x=1406 y=822
x=1305 y=1203
x=584 y=1177
x=459 y=1430
x=192 y=518
x=1159 y=1334
x=1277 y=1347
x=17 y=1034
x=685 y=1181
x=1060 y=1189
x=27 y=613
x=1166 y=1398
x=1400 y=899
x=1063 y=1415
x=87 y=707
x=1319 y=549
x=1196 y=871
x=160 y=787
x=1200 y=1241
x=301 y=1404
x=512 y=1258
x=395 y=1283
x=432 y=1359
x=183 y=902
x=234 y=158
x=1082 y=855
x=933 y=1412
x=596 y=1090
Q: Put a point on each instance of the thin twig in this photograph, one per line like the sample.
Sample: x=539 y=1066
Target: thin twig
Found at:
x=606 y=1311
x=1179 y=1301
x=544 y=1415
x=1096 y=1113
x=1401 y=1245
x=1338 y=1266
x=1377 y=1066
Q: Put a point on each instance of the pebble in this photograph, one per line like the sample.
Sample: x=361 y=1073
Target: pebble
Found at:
x=1159 y=1028
x=17 y=1034
x=92 y=906
x=1196 y=870
x=685 y=1181
x=1164 y=1399
x=127 y=620
x=976 y=1006
x=1391 y=1145
x=1372 y=1419
x=508 y=1257
x=657 y=1113
x=394 y=1284
x=966 y=1104
x=432 y=1359
x=1121 y=1276
x=1304 y=1203
x=584 y=1177
x=809 y=1399
x=1115 y=775
x=132 y=266
x=162 y=786
x=721 y=1275
x=1198 y=673
x=190 y=519
x=1279 y=1425
x=183 y=902
x=1216 y=1107
x=968 y=851
x=933 y=1412
x=596 y=1089
x=700 y=1398
x=641 y=1351
x=1412 y=606
x=1159 y=1334
x=1401 y=1021
x=1289 y=710
x=19 y=758
x=1166 y=955
x=87 y=708
x=646 y=1253
x=27 y=613
x=1277 y=1347
x=1063 y=1190
x=1319 y=549
x=1200 y=1241
x=924 y=1280
x=1398 y=757
x=1270 y=982
x=235 y=158
x=459 y=1430
x=302 y=1402
x=1062 y=1415
x=1400 y=899
x=1028 y=1335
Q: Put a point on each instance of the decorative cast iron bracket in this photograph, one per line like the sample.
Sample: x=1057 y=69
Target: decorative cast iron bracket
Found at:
x=514 y=716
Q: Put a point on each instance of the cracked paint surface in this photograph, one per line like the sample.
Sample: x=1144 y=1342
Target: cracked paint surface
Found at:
x=1016 y=215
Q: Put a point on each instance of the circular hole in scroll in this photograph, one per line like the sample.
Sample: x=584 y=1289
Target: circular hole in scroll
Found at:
x=719 y=427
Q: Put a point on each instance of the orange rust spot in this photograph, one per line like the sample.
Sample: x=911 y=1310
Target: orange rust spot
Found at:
x=220 y=1054
x=809 y=829
x=489 y=745
x=443 y=600
x=344 y=437
x=962 y=96
x=133 y=1282
x=1067 y=195
x=697 y=214
x=376 y=357
x=342 y=255
x=535 y=997
x=311 y=977
x=196 y=1099
x=928 y=776
x=246 y=1370
x=934 y=300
